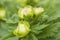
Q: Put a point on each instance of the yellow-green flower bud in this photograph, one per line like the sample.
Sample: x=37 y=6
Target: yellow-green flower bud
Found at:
x=35 y=1
x=22 y=2
x=2 y=13
x=26 y=11
x=23 y=29
x=38 y=11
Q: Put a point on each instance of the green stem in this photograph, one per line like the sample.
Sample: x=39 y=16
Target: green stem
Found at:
x=19 y=39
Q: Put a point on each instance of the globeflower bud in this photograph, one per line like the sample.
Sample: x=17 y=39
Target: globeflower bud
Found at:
x=38 y=11
x=35 y=1
x=26 y=11
x=22 y=2
x=2 y=13
x=23 y=29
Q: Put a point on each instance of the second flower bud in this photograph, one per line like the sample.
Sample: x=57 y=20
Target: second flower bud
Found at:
x=24 y=12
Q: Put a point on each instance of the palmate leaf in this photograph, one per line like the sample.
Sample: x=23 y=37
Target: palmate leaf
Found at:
x=50 y=32
x=37 y=28
x=34 y=37
x=47 y=28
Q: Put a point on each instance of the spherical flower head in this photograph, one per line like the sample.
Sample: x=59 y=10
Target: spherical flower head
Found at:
x=38 y=11
x=2 y=13
x=22 y=30
x=26 y=11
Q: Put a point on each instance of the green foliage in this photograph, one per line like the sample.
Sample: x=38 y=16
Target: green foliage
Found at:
x=45 y=27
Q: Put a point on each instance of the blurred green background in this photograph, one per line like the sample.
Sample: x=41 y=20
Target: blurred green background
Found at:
x=48 y=27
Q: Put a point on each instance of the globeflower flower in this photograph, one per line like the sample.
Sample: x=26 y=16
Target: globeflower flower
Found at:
x=25 y=12
x=2 y=13
x=23 y=29
x=38 y=11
